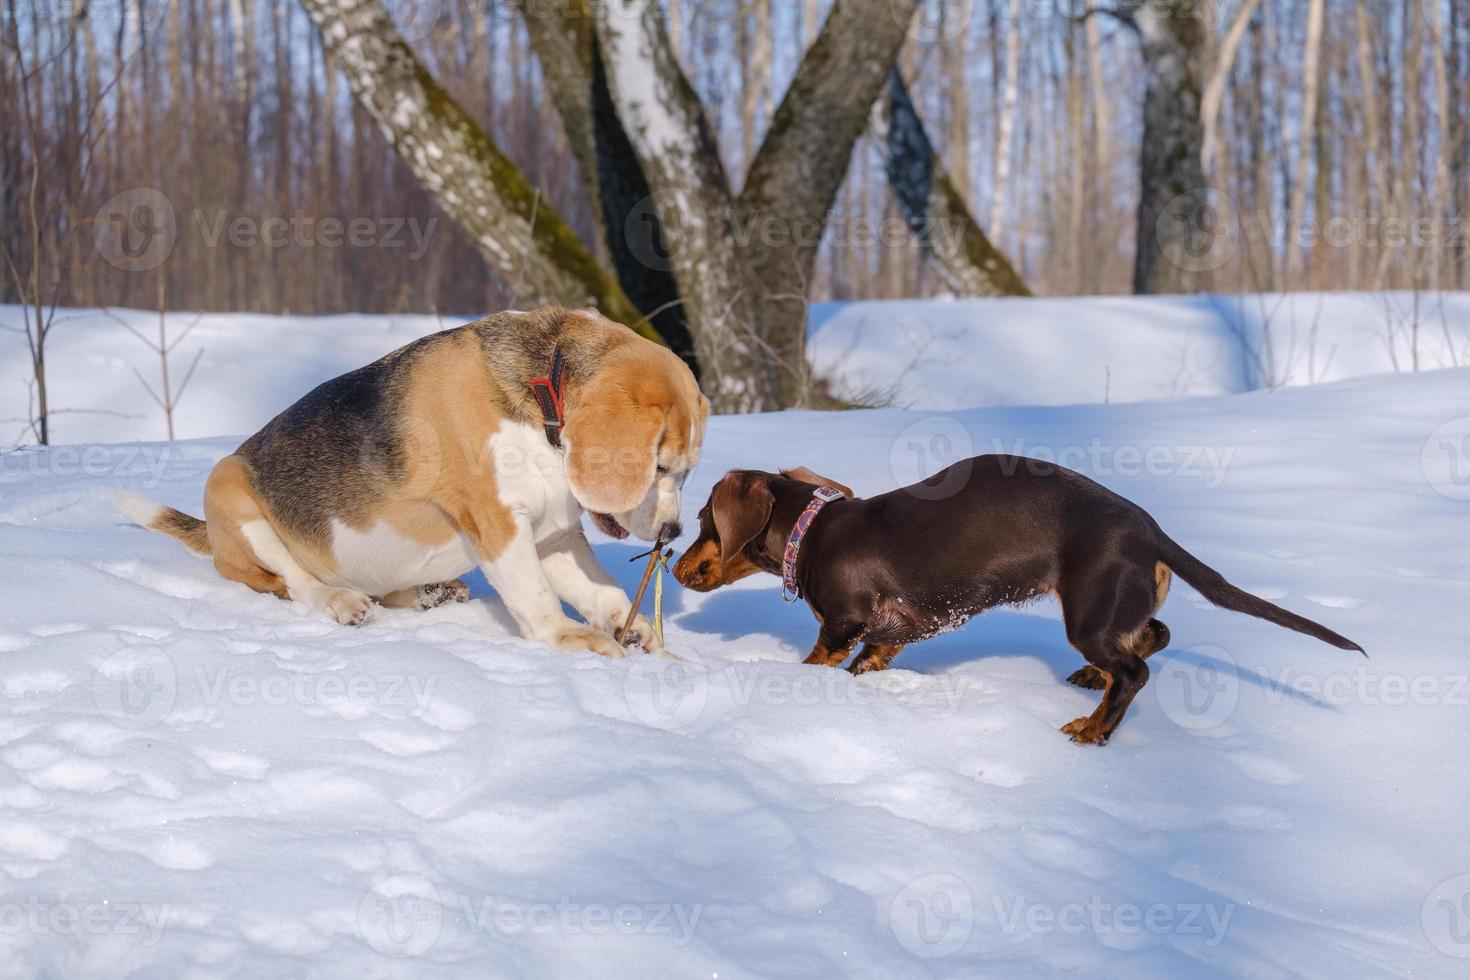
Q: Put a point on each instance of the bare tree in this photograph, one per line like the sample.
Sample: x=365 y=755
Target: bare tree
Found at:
x=933 y=207
x=1171 y=220
x=1311 y=79
x=455 y=159
x=1005 y=124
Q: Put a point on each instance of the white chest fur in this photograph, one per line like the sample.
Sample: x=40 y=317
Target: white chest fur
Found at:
x=531 y=476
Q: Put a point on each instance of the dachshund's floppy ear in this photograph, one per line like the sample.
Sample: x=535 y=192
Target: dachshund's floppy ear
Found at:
x=804 y=475
x=741 y=507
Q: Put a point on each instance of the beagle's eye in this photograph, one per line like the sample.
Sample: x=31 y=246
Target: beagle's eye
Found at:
x=662 y=470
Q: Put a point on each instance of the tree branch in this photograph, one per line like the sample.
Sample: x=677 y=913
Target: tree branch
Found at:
x=457 y=162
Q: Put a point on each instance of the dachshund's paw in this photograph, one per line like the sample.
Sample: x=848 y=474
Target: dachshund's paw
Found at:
x=1089 y=677
x=1084 y=732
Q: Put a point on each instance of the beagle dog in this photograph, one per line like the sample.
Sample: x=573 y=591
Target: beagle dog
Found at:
x=475 y=447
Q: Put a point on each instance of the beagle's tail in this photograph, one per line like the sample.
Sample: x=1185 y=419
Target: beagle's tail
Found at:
x=156 y=517
x=1213 y=586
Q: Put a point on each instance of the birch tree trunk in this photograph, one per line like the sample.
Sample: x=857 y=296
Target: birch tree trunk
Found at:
x=955 y=58
x=1213 y=153
x=1006 y=123
x=1311 y=77
x=933 y=207
x=1447 y=140
x=1173 y=224
x=794 y=179
x=520 y=235
x=691 y=197
x=565 y=41
x=755 y=93
x=1102 y=130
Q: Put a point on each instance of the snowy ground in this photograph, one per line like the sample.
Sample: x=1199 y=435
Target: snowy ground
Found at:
x=961 y=353
x=925 y=354
x=196 y=780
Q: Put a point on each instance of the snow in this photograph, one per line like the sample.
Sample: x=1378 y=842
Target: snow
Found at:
x=196 y=780
x=924 y=354
x=958 y=353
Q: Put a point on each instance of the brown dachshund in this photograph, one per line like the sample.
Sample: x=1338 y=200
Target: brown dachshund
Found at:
x=913 y=563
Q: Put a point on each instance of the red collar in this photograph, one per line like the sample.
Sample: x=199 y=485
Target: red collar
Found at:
x=821 y=497
x=548 y=394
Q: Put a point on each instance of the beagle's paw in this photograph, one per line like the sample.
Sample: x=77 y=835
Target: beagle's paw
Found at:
x=640 y=634
x=441 y=594
x=575 y=636
x=345 y=606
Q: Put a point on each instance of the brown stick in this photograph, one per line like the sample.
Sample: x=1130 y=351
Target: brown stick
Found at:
x=654 y=557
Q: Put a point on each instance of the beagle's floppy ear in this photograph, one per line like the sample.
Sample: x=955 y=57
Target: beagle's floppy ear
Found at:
x=741 y=508
x=804 y=475
x=612 y=445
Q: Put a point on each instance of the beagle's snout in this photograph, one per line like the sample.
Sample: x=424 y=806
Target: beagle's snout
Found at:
x=669 y=531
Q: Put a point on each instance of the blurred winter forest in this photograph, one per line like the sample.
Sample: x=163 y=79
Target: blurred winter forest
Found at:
x=458 y=156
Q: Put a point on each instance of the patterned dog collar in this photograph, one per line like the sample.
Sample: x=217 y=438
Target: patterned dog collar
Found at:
x=821 y=497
